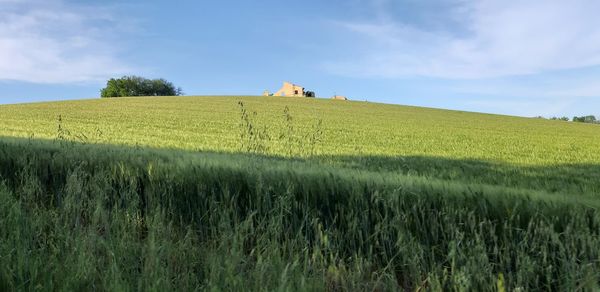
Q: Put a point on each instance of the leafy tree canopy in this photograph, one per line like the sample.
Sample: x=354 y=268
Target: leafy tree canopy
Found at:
x=139 y=86
x=586 y=119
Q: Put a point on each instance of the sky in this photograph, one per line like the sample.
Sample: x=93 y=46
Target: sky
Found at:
x=525 y=58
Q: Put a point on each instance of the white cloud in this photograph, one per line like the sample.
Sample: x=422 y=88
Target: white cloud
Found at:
x=55 y=42
x=497 y=38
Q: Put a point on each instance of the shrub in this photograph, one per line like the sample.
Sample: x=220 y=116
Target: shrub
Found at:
x=559 y=119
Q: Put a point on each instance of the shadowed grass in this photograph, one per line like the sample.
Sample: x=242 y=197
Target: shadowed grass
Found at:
x=99 y=217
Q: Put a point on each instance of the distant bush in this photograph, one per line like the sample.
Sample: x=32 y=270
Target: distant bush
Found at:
x=586 y=119
x=559 y=119
x=139 y=86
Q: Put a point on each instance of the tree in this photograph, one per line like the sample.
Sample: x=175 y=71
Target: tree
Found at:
x=309 y=93
x=139 y=86
x=585 y=119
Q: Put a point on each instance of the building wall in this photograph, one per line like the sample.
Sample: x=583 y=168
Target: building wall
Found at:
x=289 y=89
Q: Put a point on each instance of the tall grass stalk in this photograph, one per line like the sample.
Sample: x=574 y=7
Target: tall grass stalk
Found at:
x=92 y=217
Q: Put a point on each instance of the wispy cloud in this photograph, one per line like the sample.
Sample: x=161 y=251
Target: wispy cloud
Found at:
x=496 y=38
x=55 y=42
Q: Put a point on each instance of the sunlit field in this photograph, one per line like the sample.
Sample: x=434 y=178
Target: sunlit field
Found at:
x=349 y=128
x=267 y=193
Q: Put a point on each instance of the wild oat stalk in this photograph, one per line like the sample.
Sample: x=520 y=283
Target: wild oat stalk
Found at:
x=252 y=138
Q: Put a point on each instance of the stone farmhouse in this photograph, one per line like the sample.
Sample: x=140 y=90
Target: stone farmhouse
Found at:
x=294 y=90
x=290 y=89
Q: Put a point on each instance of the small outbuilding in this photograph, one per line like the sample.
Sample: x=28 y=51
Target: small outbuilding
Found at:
x=339 y=97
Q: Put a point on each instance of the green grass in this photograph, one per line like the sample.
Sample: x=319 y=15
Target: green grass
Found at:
x=555 y=156
x=349 y=128
x=387 y=198
x=81 y=217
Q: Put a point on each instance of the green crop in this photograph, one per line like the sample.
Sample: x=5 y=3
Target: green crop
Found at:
x=290 y=194
x=555 y=156
x=348 y=128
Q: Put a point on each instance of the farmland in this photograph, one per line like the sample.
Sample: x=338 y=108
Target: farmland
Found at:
x=349 y=128
x=201 y=193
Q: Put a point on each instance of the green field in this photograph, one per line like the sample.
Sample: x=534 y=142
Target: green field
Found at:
x=349 y=128
x=188 y=193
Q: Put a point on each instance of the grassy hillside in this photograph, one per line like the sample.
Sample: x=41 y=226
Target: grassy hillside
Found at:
x=349 y=128
x=376 y=197
x=473 y=148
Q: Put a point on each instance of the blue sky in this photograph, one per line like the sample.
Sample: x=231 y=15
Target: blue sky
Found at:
x=527 y=58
